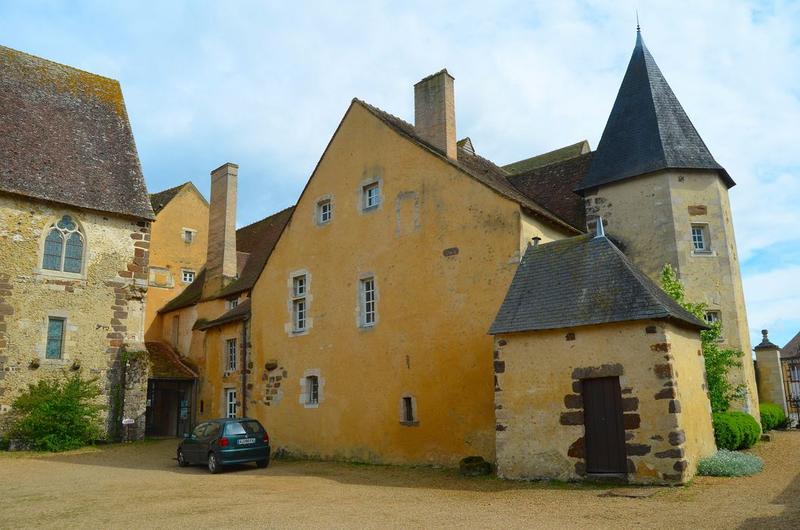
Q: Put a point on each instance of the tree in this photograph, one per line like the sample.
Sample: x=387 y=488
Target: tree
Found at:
x=718 y=361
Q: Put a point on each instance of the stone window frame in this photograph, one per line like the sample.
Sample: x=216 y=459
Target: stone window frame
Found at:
x=65 y=352
x=369 y=183
x=293 y=298
x=226 y=403
x=183 y=276
x=318 y=211
x=414 y=422
x=705 y=233
x=81 y=230
x=362 y=302
x=304 y=397
x=231 y=303
x=192 y=238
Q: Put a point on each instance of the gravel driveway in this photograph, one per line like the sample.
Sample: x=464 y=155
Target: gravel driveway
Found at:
x=140 y=485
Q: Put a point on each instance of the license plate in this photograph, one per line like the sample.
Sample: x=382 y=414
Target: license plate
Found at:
x=247 y=441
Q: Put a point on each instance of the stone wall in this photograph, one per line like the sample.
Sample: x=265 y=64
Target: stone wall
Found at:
x=539 y=406
x=103 y=305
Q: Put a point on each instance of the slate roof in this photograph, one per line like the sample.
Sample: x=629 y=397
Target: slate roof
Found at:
x=254 y=242
x=552 y=186
x=551 y=157
x=160 y=199
x=647 y=130
x=792 y=348
x=479 y=168
x=65 y=137
x=165 y=363
x=582 y=281
x=238 y=313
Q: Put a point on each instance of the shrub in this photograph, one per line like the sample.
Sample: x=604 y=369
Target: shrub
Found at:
x=57 y=414
x=772 y=416
x=735 y=430
x=726 y=463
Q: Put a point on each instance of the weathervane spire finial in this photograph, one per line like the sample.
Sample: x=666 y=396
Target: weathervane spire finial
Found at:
x=638 y=28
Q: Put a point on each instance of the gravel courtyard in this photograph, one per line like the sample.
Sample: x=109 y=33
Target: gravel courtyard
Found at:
x=140 y=485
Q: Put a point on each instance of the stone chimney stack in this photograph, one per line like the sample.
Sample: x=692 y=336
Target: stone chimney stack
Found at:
x=221 y=256
x=435 y=112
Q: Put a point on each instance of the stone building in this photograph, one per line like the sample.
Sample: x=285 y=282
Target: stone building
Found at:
x=74 y=228
x=598 y=372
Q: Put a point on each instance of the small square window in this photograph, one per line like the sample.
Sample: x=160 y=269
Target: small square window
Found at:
x=712 y=317
x=371 y=195
x=324 y=211
x=232 y=302
x=187 y=276
x=55 y=338
x=700 y=240
x=188 y=236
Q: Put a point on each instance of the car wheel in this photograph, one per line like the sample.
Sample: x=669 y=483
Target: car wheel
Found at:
x=213 y=464
x=182 y=462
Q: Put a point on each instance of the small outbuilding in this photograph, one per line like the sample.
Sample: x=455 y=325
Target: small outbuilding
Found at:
x=598 y=372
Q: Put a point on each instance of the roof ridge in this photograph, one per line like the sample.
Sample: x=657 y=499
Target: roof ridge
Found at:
x=56 y=63
x=265 y=218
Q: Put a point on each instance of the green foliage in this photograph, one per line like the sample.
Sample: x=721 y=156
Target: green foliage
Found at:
x=58 y=413
x=718 y=361
x=735 y=430
x=726 y=463
x=772 y=416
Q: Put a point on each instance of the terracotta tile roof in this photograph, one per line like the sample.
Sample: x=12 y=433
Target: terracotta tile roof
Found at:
x=551 y=157
x=65 y=138
x=582 y=281
x=238 y=313
x=189 y=296
x=166 y=363
x=552 y=186
x=648 y=130
x=160 y=199
x=476 y=166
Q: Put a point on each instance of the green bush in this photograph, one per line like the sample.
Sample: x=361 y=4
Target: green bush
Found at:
x=772 y=416
x=735 y=430
x=726 y=463
x=57 y=414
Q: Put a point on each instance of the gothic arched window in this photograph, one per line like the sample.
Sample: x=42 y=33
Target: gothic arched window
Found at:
x=63 y=247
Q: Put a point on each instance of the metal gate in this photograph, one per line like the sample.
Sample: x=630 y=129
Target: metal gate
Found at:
x=791 y=384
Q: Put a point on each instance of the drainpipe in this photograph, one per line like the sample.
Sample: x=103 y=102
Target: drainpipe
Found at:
x=244 y=367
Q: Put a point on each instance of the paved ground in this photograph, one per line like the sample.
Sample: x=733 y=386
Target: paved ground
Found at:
x=139 y=485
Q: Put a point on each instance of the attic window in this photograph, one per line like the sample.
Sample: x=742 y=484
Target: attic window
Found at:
x=324 y=211
x=371 y=196
x=187 y=276
x=188 y=235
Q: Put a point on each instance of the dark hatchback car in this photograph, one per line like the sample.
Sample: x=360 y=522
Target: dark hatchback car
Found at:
x=217 y=443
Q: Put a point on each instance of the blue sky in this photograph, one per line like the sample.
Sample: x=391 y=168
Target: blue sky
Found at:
x=264 y=84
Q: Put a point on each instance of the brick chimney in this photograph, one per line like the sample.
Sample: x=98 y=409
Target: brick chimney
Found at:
x=435 y=112
x=221 y=256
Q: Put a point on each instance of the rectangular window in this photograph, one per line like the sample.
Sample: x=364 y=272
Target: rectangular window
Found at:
x=324 y=211
x=371 y=195
x=408 y=410
x=230 y=355
x=188 y=236
x=368 y=309
x=55 y=338
x=700 y=242
x=230 y=403
x=299 y=307
x=187 y=276
x=232 y=302
x=712 y=317
x=312 y=390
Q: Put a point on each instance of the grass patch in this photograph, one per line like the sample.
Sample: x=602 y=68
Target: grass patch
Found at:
x=726 y=463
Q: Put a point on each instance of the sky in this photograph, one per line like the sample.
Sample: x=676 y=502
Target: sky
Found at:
x=264 y=84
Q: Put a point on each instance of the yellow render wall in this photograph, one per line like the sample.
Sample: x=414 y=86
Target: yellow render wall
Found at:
x=215 y=378
x=169 y=251
x=539 y=411
x=434 y=307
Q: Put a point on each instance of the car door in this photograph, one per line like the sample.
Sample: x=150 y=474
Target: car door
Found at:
x=191 y=445
x=207 y=442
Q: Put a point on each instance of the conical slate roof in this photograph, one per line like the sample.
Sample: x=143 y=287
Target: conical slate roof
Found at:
x=582 y=281
x=647 y=130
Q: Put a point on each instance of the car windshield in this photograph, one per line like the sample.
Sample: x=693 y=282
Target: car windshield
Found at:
x=250 y=427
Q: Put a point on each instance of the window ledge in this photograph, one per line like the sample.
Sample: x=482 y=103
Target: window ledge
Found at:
x=46 y=273
x=366 y=327
x=370 y=208
x=311 y=405
x=704 y=253
x=410 y=423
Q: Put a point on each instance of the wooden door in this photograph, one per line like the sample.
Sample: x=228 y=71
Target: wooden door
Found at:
x=605 y=433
